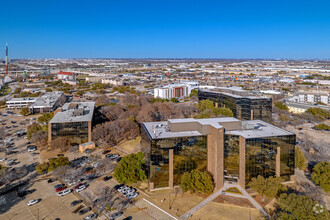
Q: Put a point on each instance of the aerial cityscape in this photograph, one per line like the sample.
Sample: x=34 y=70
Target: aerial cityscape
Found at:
x=143 y=111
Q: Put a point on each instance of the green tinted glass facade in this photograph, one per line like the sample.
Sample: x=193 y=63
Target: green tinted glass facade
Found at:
x=76 y=131
x=242 y=107
x=261 y=153
x=231 y=158
x=189 y=153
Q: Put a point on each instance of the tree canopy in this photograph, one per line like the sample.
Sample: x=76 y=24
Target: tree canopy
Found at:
x=130 y=169
x=300 y=159
x=269 y=187
x=33 y=129
x=319 y=112
x=46 y=117
x=281 y=105
x=321 y=175
x=52 y=164
x=25 y=111
x=197 y=181
x=299 y=207
x=208 y=110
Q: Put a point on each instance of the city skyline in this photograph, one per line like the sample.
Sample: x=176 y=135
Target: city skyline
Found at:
x=198 y=29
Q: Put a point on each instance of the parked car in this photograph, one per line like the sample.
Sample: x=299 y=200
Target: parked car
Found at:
x=112 y=156
x=76 y=202
x=116 y=215
x=33 y=201
x=31 y=148
x=95 y=164
x=64 y=192
x=106 y=151
x=131 y=196
x=58 y=185
x=91 y=216
x=59 y=189
x=84 y=211
x=106 y=178
x=80 y=188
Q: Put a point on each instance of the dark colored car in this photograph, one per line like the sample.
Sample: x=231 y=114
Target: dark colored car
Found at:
x=106 y=178
x=117 y=186
x=76 y=202
x=105 y=152
x=84 y=211
x=60 y=155
x=116 y=215
x=58 y=186
x=49 y=181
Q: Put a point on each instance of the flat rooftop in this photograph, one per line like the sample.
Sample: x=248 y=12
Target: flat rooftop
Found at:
x=258 y=129
x=75 y=112
x=48 y=99
x=306 y=105
x=246 y=129
x=235 y=92
x=25 y=99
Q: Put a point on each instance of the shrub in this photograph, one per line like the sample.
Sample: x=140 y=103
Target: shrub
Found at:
x=321 y=175
x=300 y=159
x=130 y=169
x=281 y=105
x=322 y=127
x=197 y=181
x=319 y=112
x=25 y=111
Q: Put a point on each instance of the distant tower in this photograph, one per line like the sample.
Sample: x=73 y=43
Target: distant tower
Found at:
x=6 y=59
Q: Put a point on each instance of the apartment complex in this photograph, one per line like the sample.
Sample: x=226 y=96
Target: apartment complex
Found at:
x=178 y=90
x=74 y=120
x=311 y=98
x=230 y=149
x=244 y=105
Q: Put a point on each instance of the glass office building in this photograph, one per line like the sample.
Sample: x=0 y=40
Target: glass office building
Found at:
x=249 y=149
x=77 y=132
x=244 y=107
x=73 y=121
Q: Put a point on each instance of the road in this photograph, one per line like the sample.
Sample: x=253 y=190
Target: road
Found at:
x=12 y=86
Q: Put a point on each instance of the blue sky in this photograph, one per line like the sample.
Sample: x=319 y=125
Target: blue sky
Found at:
x=165 y=29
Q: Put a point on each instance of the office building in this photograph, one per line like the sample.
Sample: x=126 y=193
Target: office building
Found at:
x=74 y=120
x=311 y=98
x=244 y=105
x=21 y=102
x=230 y=149
x=299 y=108
x=48 y=102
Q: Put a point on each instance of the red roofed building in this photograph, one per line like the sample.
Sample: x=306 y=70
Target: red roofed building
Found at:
x=66 y=76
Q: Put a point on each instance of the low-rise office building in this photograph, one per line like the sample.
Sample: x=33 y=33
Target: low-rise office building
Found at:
x=21 y=102
x=230 y=149
x=299 y=108
x=244 y=105
x=48 y=102
x=74 y=120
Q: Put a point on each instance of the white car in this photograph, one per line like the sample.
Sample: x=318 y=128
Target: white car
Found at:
x=64 y=192
x=2 y=159
x=32 y=202
x=132 y=195
x=123 y=188
x=80 y=188
x=72 y=183
x=95 y=164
